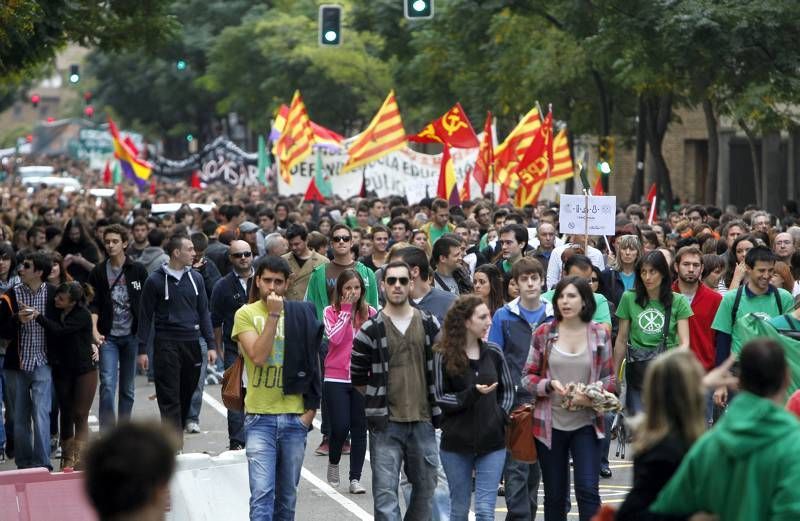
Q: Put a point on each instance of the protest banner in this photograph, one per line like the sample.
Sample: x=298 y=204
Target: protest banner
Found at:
x=600 y=213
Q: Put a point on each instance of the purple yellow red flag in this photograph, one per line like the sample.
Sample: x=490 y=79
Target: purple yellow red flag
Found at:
x=296 y=139
x=447 y=188
x=452 y=129
x=135 y=169
x=484 y=164
x=384 y=134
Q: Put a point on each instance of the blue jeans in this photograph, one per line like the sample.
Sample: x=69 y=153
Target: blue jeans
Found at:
x=275 y=447
x=235 y=418
x=411 y=446
x=440 y=508
x=33 y=399
x=2 y=406
x=197 y=397
x=605 y=445
x=522 y=489
x=117 y=358
x=633 y=401
x=584 y=446
x=488 y=471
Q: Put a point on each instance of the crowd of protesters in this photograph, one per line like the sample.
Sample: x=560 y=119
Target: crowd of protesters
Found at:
x=418 y=328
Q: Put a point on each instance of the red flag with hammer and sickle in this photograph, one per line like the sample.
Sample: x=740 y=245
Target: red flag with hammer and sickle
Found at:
x=452 y=129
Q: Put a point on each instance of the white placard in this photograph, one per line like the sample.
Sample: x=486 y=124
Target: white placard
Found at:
x=602 y=212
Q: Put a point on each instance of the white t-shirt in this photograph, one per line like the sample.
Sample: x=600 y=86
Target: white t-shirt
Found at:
x=554 y=266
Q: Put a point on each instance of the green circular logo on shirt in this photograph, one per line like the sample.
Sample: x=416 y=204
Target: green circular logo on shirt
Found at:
x=651 y=321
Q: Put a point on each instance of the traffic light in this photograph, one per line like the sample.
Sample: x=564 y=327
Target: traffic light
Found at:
x=605 y=155
x=35 y=99
x=330 y=25
x=189 y=138
x=74 y=74
x=180 y=65
x=418 y=9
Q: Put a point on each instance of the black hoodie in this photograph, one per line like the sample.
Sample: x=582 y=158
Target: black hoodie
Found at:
x=177 y=308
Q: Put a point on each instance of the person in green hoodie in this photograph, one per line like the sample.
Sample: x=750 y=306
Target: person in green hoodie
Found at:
x=748 y=467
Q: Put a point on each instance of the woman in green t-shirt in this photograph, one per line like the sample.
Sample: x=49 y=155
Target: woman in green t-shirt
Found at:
x=642 y=314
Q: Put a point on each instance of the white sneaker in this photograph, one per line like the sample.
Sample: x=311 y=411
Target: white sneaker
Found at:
x=192 y=428
x=333 y=475
x=356 y=488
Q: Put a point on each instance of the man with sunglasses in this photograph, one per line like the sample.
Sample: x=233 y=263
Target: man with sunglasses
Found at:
x=302 y=260
x=229 y=294
x=393 y=355
x=321 y=287
x=26 y=365
x=118 y=282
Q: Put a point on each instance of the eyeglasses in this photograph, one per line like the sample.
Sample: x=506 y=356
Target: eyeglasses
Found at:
x=394 y=280
x=340 y=238
x=239 y=255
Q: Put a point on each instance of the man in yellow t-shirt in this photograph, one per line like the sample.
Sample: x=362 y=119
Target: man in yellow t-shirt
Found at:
x=279 y=341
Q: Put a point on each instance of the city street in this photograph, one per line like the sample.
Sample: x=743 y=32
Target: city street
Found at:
x=317 y=501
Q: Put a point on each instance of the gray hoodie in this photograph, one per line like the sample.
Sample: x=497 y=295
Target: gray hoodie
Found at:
x=153 y=258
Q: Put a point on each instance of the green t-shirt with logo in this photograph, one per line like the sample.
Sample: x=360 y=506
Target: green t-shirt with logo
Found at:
x=647 y=323
x=764 y=305
x=265 y=384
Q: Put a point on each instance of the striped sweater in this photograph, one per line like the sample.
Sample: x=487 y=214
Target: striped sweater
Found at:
x=369 y=366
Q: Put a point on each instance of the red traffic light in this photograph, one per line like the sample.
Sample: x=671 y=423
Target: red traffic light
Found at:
x=50 y=119
x=35 y=99
x=88 y=111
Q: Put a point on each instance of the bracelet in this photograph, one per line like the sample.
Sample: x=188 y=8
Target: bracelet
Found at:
x=276 y=315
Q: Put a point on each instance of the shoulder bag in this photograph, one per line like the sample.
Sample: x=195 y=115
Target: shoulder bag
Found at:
x=232 y=390
x=639 y=358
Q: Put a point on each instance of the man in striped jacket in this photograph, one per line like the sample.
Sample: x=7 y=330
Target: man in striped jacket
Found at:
x=392 y=365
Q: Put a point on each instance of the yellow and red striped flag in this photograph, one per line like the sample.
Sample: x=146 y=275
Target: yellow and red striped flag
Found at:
x=562 y=160
x=447 y=188
x=383 y=135
x=511 y=151
x=296 y=140
x=483 y=165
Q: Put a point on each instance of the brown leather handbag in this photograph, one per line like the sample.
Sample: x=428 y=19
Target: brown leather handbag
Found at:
x=232 y=390
x=519 y=434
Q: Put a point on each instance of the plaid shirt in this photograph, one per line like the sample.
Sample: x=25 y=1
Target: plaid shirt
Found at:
x=32 y=339
x=602 y=370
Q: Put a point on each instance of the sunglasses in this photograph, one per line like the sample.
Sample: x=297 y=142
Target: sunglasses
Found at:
x=244 y=254
x=394 y=280
x=340 y=238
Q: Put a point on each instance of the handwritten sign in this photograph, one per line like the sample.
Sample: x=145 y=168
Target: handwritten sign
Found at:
x=601 y=212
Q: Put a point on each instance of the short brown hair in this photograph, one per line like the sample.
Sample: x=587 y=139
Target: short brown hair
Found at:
x=119 y=230
x=691 y=249
x=525 y=266
x=439 y=203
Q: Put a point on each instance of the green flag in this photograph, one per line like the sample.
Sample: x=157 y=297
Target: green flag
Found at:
x=116 y=174
x=323 y=182
x=264 y=162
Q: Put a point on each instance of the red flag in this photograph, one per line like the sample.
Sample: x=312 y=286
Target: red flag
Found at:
x=447 y=188
x=313 y=193
x=651 y=196
x=153 y=187
x=196 y=180
x=464 y=194
x=503 y=198
x=120 y=196
x=452 y=129
x=482 y=169
x=107 y=174
x=598 y=186
x=363 y=191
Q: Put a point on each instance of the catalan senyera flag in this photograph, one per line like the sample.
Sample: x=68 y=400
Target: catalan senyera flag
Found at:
x=447 y=188
x=510 y=152
x=464 y=194
x=323 y=137
x=383 y=135
x=562 y=168
x=135 y=169
x=452 y=129
x=296 y=140
x=484 y=163
x=535 y=165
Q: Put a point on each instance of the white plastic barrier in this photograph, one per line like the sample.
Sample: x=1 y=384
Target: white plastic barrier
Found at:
x=210 y=488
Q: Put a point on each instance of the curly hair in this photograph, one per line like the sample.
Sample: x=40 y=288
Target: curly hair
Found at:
x=454 y=333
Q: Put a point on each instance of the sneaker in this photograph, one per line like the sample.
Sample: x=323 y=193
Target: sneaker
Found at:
x=192 y=428
x=501 y=489
x=323 y=448
x=356 y=488
x=346 y=448
x=333 y=475
x=235 y=445
x=2 y=456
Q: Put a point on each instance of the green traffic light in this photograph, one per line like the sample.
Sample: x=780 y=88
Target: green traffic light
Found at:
x=418 y=9
x=180 y=65
x=189 y=138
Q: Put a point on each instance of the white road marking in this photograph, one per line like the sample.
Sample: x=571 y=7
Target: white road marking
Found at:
x=309 y=476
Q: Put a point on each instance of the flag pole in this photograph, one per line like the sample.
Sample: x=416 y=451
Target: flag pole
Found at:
x=652 y=212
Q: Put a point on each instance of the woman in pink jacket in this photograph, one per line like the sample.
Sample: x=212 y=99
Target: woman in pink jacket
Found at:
x=345 y=404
